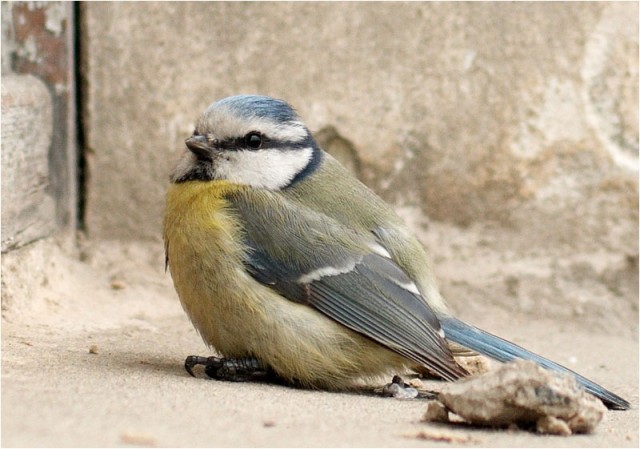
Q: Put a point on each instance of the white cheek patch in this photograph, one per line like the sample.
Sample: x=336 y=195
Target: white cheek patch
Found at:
x=265 y=169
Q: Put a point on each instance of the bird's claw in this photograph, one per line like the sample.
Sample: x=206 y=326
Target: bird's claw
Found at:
x=194 y=360
x=230 y=369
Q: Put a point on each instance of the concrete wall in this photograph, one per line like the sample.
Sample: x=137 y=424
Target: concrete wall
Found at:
x=507 y=134
x=38 y=122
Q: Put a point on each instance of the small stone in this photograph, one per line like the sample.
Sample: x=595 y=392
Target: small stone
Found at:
x=475 y=364
x=118 y=284
x=436 y=412
x=93 y=349
x=443 y=437
x=522 y=393
x=416 y=383
x=138 y=439
x=552 y=426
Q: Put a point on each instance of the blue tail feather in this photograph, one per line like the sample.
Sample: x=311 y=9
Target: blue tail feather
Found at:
x=504 y=351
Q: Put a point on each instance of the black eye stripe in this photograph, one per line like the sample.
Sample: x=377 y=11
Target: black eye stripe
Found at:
x=239 y=143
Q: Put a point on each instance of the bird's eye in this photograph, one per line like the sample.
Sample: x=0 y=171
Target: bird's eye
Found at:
x=253 y=140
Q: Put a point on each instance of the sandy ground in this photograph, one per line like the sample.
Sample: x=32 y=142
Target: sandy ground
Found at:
x=133 y=390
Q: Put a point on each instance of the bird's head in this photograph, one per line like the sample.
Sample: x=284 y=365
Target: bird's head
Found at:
x=251 y=140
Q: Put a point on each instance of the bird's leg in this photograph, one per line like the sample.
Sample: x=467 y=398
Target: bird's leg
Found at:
x=234 y=370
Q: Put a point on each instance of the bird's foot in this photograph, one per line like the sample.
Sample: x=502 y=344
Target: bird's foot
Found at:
x=230 y=369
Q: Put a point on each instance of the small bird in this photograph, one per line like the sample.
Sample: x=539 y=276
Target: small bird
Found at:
x=287 y=265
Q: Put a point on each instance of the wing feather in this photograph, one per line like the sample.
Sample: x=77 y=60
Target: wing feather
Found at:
x=321 y=263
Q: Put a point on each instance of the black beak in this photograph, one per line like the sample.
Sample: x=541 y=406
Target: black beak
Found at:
x=200 y=146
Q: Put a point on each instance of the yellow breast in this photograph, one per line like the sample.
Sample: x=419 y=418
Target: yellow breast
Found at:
x=205 y=256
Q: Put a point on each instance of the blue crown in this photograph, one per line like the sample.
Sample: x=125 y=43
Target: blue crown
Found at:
x=258 y=106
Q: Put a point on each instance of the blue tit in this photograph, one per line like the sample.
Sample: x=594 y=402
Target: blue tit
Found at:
x=287 y=264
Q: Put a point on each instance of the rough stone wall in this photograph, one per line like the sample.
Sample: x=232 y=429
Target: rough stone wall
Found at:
x=38 y=122
x=507 y=134
x=28 y=211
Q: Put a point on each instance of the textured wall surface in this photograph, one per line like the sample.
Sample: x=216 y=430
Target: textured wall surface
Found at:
x=28 y=208
x=507 y=134
x=38 y=149
x=37 y=40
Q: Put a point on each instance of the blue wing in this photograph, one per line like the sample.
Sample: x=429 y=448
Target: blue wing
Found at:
x=319 y=262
